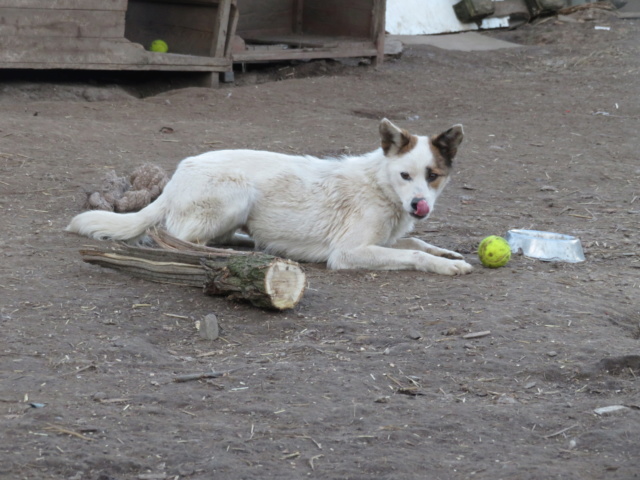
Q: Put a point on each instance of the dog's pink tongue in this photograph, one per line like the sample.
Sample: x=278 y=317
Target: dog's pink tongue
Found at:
x=422 y=208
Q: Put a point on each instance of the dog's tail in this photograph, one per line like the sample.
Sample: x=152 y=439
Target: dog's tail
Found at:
x=103 y=225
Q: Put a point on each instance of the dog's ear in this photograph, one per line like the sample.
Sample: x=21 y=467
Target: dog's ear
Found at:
x=394 y=140
x=447 y=143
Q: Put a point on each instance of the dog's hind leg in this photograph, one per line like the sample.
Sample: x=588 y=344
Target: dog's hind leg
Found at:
x=238 y=239
x=213 y=216
x=204 y=225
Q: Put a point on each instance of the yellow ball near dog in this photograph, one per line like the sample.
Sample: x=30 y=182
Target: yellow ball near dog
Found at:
x=494 y=252
x=159 y=46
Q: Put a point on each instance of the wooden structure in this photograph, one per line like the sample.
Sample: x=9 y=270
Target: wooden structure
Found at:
x=112 y=35
x=272 y=30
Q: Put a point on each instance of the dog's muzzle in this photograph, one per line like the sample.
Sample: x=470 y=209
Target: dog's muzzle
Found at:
x=420 y=207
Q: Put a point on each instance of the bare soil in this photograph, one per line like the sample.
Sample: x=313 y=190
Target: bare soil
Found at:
x=371 y=376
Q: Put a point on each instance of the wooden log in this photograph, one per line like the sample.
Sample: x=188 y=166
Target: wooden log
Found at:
x=263 y=280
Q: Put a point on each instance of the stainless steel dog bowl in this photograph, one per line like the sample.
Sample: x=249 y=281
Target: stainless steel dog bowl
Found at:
x=548 y=246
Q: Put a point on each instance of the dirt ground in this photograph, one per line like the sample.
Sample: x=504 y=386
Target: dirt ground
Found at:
x=370 y=376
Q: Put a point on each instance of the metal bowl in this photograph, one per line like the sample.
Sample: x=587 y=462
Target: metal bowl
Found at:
x=548 y=246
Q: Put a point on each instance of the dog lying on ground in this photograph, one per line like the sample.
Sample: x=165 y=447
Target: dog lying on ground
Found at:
x=351 y=212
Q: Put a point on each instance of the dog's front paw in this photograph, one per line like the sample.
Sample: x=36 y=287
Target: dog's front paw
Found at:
x=452 y=267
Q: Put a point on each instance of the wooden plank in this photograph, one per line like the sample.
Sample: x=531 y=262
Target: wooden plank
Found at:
x=298 y=15
x=378 y=28
x=62 y=23
x=341 y=51
x=192 y=17
x=188 y=2
x=208 y=3
x=234 y=15
x=310 y=41
x=220 y=27
x=210 y=72
x=96 y=5
x=333 y=17
x=97 y=54
x=629 y=15
x=265 y=17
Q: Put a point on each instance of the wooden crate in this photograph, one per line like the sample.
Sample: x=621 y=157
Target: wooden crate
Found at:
x=190 y=27
x=272 y=30
x=111 y=34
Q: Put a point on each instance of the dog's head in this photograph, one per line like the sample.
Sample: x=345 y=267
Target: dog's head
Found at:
x=418 y=167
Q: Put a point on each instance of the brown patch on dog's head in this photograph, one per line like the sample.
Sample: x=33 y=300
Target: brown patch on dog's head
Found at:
x=441 y=175
x=394 y=140
x=445 y=146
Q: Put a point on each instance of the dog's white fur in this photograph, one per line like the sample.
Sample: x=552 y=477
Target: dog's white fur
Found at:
x=350 y=212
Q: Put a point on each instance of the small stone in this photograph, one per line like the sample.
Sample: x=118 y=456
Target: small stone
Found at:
x=414 y=335
x=611 y=409
x=506 y=400
x=552 y=353
x=99 y=396
x=209 y=327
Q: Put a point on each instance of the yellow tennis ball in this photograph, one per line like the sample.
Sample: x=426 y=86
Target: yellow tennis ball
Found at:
x=494 y=252
x=159 y=46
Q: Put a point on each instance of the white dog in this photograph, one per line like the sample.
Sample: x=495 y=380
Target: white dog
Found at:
x=351 y=212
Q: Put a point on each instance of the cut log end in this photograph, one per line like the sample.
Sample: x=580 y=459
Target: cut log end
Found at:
x=284 y=284
x=263 y=280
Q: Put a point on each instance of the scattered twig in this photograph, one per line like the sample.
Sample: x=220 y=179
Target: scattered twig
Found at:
x=290 y=456
x=413 y=391
x=318 y=444
x=559 y=432
x=75 y=372
x=9 y=155
x=484 y=333
x=113 y=400
x=397 y=382
x=199 y=376
x=59 y=429
x=315 y=457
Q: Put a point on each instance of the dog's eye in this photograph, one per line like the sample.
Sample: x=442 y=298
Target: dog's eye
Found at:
x=405 y=176
x=431 y=175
